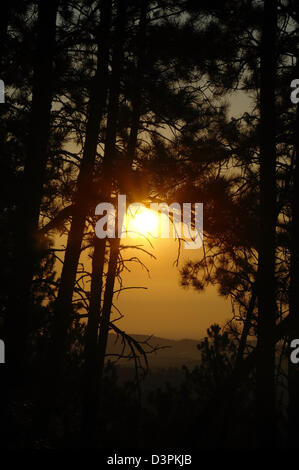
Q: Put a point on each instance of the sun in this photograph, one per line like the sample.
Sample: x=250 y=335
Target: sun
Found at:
x=142 y=222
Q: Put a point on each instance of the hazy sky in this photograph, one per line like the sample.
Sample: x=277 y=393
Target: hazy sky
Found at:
x=165 y=308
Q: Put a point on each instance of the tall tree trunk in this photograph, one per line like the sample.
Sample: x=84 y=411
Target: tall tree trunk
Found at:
x=293 y=375
x=265 y=369
x=115 y=244
x=97 y=103
x=18 y=321
x=90 y=384
x=91 y=376
x=96 y=347
x=107 y=305
x=63 y=305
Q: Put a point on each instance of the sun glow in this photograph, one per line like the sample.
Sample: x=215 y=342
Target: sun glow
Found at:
x=142 y=222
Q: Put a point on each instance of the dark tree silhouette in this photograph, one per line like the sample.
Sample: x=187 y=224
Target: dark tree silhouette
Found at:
x=97 y=102
x=91 y=378
x=293 y=379
x=141 y=97
x=34 y=177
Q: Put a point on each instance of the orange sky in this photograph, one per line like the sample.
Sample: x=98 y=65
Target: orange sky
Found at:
x=165 y=308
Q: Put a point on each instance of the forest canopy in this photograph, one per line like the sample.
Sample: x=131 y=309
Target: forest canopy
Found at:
x=174 y=103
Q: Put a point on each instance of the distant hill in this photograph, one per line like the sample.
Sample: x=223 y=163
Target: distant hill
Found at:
x=173 y=353
x=165 y=364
